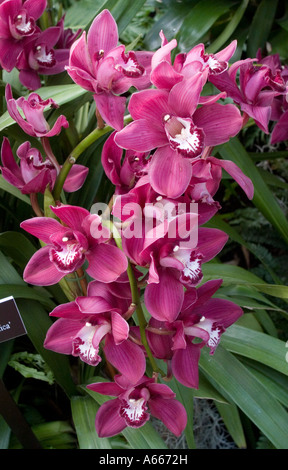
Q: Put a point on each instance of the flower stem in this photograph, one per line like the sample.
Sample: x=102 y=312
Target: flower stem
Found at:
x=76 y=152
x=137 y=302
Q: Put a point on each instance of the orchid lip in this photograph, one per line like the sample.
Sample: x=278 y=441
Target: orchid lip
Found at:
x=134 y=412
x=184 y=136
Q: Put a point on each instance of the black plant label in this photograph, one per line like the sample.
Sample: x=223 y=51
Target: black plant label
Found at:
x=11 y=323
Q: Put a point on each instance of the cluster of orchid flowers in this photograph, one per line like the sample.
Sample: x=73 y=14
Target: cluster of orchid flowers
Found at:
x=26 y=47
x=163 y=170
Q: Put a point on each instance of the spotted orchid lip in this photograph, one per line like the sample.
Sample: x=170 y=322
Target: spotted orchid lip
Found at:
x=134 y=412
x=184 y=136
x=22 y=25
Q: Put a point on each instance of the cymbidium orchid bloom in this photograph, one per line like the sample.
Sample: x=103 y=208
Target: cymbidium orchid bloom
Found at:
x=94 y=321
x=123 y=174
x=174 y=124
x=135 y=403
x=202 y=318
x=34 y=174
x=17 y=25
x=165 y=75
x=68 y=245
x=40 y=57
x=33 y=122
x=257 y=89
x=102 y=67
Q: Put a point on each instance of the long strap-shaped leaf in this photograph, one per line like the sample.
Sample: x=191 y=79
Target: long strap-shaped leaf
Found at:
x=263 y=199
x=236 y=382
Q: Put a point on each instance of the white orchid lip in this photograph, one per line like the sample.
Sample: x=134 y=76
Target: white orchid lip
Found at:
x=134 y=411
x=184 y=136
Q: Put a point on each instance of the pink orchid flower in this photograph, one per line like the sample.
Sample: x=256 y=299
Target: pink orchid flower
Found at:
x=174 y=124
x=134 y=402
x=96 y=320
x=165 y=75
x=69 y=245
x=102 y=67
x=40 y=57
x=34 y=122
x=17 y=25
x=34 y=174
x=257 y=89
x=202 y=317
x=125 y=173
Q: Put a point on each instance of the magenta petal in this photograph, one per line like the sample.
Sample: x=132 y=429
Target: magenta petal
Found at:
x=42 y=227
x=233 y=170
x=56 y=129
x=280 y=131
x=72 y=216
x=120 y=328
x=127 y=357
x=111 y=108
x=164 y=300
x=210 y=242
x=60 y=334
x=169 y=172
x=219 y=122
x=67 y=310
x=171 y=412
x=184 y=97
x=141 y=136
x=185 y=365
x=93 y=305
x=102 y=34
x=164 y=76
x=106 y=262
x=108 y=421
x=8 y=159
x=40 y=271
x=106 y=388
x=35 y=9
x=75 y=178
x=149 y=104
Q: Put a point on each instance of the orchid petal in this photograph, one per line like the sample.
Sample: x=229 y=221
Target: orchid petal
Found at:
x=219 y=122
x=60 y=334
x=42 y=227
x=127 y=357
x=164 y=300
x=233 y=170
x=102 y=34
x=108 y=421
x=141 y=136
x=40 y=271
x=171 y=412
x=184 y=96
x=169 y=172
x=185 y=365
x=106 y=262
x=111 y=108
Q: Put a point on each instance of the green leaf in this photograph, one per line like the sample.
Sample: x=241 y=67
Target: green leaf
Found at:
x=231 y=417
x=7 y=187
x=261 y=26
x=84 y=410
x=257 y=346
x=26 y=292
x=199 y=20
x=237 y=383
x=17 y=246
x=263 y=199
x=37 y=323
